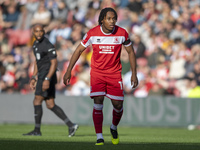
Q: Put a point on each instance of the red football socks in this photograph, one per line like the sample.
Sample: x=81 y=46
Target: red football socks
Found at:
x=98 y=117
x=117 y=115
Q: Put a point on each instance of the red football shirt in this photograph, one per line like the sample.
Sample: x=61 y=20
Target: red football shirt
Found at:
x=106 y=49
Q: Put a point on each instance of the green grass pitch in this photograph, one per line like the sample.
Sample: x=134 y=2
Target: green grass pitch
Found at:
x=55 y=137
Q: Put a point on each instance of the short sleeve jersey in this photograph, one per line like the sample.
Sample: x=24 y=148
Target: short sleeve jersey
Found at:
x=106 y=49
x=44 y=52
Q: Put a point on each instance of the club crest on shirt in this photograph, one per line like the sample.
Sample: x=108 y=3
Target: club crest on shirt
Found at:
x=116 y=40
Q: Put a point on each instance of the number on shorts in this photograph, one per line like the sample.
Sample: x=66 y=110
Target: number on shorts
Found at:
x=120 y=82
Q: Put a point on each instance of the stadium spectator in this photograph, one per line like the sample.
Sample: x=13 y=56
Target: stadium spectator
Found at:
x=125 y=62
x=95 y=4
x=196 y=14
x=32 y=6
x=195 y=73
x=139 y=47
x=60 y=12
x=194 y=92
x=22 y=80
x=195 y=38
x=135 y=6
x=176 y=68
x=60 y=30
x=42 y=15
x=82 y=86
x=24 y=19
x=198 y=25
x=9 y=76
x=11 y=16
x=78 y=15
x=156 y=90
x=21 y=33
x=176 y=33
x=187 y=35
x=187 y=23
x=124 y=19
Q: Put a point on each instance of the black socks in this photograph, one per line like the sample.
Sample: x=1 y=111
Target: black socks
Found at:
x=38 y=116
x=60 y=113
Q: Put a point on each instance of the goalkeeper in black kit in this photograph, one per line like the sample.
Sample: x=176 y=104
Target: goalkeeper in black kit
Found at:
x=43 y=81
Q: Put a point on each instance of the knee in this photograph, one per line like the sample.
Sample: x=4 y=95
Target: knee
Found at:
x=99 y=99
x=49 y=105
x=37 y=101
x=118 y=107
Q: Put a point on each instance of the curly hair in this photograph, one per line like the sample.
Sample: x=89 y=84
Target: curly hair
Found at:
x=38 y=24
x=104 y=12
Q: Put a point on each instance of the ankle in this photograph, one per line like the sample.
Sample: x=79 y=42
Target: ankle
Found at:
x=113 y=127
x=99 y=136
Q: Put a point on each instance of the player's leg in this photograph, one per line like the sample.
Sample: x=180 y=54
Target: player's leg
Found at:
x=117 y=115
x=38 y=115
x=115 y=93
x=50 y=103
x=98 y=118
x=98 y=86
x=39 y=97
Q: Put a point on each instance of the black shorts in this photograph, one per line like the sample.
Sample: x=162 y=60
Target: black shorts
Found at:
x=50 y=93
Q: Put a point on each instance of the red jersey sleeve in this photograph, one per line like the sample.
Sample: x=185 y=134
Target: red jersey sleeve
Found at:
x=127 y=42
x=86 y=39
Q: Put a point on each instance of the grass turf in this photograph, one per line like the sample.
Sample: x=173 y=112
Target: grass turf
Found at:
x=55 y=137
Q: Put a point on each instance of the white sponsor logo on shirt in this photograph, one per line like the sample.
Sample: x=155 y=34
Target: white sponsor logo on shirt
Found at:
x=106 y=49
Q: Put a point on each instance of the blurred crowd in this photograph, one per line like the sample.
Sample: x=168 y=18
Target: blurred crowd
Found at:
x=165 y=36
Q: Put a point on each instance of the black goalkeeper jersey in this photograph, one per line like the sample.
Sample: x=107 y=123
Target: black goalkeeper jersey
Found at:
x=44 y=51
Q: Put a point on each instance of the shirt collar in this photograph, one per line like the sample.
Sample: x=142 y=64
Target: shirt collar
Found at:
x=107 y=33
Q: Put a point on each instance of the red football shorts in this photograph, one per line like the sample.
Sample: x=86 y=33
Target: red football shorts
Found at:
x=111 y=87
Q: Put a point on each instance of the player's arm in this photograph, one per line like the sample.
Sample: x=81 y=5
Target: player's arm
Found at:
x=132 y=60
x=51 y=52
x=52 y=69
x=73 y=60
x=34 y=76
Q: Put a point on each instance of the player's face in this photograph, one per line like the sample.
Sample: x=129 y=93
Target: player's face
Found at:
x=38 y=32
x=108 y=23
